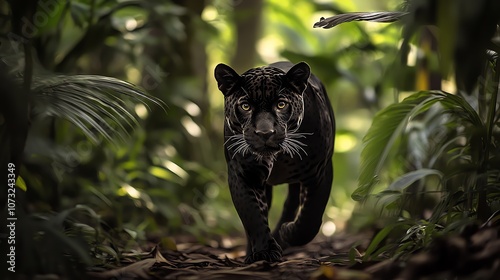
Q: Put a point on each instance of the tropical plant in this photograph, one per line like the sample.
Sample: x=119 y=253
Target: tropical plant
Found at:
x=432 y=158
x=38 y=107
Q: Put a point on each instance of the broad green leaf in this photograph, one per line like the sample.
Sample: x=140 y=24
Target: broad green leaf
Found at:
x=460 y=108
x=389 y=197
x=411 y=177
x=389 y=124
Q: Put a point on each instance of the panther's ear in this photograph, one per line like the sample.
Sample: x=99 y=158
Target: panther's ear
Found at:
x=298 y=75
x=226 y=78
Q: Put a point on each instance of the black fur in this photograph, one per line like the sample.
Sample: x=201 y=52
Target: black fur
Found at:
x=279 y=128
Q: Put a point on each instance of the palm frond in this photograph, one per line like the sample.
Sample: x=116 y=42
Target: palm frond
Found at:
x=97 y=105
x=359 y=16
x=389 y=124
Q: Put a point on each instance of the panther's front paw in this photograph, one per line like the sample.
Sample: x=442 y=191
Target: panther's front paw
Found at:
x=271 y=254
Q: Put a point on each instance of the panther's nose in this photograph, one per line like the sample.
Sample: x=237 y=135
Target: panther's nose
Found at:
x=265 y=133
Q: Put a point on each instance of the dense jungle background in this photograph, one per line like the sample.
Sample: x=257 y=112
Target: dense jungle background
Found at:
x=111 y=123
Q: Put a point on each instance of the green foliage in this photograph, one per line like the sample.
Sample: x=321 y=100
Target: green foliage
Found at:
x=387 y=126
x=91 y=103
x=430 y=162
x=453 y=136
x=390 y=123
x=54 y=243
x=396 y=190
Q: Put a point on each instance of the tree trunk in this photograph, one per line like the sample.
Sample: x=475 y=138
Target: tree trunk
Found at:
x=247 y=18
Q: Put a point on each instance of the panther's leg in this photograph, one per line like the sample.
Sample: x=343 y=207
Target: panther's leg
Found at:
x=289 y=209
x=248 y=192
x=316 y=193
x=269 y=196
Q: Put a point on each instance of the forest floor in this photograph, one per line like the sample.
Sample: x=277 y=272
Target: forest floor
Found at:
x=475 y=254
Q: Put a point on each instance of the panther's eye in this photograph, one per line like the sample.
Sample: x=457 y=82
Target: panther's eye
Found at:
x=245 y=106
x=281 y=105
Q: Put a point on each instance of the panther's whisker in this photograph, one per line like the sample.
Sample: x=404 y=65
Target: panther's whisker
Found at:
x=294 y=148
x=297 y=142
x=236 y=143
x=290 y=149
x=295 y=151
x=242 y=148
x=237 y=140
x=286 y=149
x=229 y=139
x=291 y=145
x=301 y=149
x=233 y=137
x=299 y=135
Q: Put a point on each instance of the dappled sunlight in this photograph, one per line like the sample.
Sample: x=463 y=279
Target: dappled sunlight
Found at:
x=191 y=127
x=121 y=144
x=210 y=13
x=176 y=169
x=130 y=191
x=131 y=24
x=269 y=48
x=170 y=151
x=192 y=109
x=328 y=228
x=141 y=111
x=345 y=143
x=140 y=198
x=133 y=74
x=340 y=215
x=357 y=121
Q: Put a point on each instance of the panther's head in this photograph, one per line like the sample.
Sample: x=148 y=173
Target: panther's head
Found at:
x=264 y=108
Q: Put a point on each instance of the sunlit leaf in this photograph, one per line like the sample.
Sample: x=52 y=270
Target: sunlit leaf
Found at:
x=161 y=173
x=21 y=184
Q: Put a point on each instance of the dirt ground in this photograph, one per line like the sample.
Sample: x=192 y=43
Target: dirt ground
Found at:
x=473 y=255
